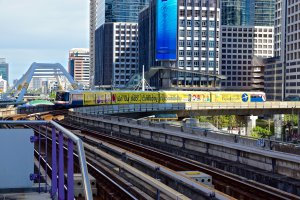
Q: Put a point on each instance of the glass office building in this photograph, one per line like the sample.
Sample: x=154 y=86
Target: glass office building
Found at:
x=237 y=12
x=119 y=10
x=264 y=12
x=116 y=41
x=248 y=12
x=196 y=66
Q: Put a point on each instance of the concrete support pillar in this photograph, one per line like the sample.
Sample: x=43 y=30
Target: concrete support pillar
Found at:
x=251 y=123
x=278 y=119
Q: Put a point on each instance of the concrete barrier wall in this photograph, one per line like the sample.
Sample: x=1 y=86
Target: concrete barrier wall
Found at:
x=224 y=150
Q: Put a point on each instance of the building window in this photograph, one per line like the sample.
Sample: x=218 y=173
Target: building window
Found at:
x=181 y=63
x=188 y=43
x=211 y=44
x=189 y=23
x=211 y=64
x=181 y=43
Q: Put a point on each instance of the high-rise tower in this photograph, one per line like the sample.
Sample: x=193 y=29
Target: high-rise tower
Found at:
x=179 y=44
x=116 y=24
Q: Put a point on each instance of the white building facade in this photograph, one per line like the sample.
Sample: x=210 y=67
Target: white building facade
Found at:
x=239 y=45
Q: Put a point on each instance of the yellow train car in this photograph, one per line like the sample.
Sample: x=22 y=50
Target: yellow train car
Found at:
x=118 y=97
x=227 y=97
x=103 y=98
x=200 y=96
x=184 y=96
x=91 y=98
x=168 y=96
x=149 y=97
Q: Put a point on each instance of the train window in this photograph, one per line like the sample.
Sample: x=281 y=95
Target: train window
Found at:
x=62 y=96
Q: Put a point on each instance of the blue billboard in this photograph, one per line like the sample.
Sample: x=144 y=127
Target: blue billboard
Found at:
x=166 y=30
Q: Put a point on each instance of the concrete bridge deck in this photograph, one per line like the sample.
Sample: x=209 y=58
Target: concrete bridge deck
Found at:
x=204 y=109
x=196 y=143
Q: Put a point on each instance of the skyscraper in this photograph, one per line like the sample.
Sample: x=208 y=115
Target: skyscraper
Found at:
x=79 y=65
x=118 y=10
x=109 y=12
x=4 y=69
x=292 y=48
x=240 y=44
x=247 y=32
x=264 y=12
x=237 y=12
x=193 y=61
x=119 y=54
x=248 y=12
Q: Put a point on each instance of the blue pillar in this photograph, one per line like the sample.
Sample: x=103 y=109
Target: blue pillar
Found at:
x=70 y=170
x=61 y=191
x=54 y=165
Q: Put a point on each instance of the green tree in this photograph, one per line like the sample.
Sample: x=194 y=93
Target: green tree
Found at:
x=260 y=132
x=291 y=118
x=203 y=119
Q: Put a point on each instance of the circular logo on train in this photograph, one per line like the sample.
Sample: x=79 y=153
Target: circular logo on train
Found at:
x=245 y=97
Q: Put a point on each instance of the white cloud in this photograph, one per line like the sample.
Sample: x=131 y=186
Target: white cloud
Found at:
x=41 y=30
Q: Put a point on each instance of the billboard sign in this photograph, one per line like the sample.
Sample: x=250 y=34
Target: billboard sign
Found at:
x=166 y=30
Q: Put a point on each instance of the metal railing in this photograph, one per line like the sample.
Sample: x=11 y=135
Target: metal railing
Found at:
x=59 y=134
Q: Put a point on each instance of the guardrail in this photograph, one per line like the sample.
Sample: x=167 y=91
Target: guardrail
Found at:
x=59 y=135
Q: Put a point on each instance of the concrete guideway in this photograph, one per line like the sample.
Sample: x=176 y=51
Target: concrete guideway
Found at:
x=204 y=190
x=277 y=162
x=258 y=108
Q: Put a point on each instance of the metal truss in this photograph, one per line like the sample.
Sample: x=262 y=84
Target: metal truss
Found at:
x=45 y=70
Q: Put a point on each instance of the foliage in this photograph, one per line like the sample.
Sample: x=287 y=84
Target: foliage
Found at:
x=52 y=95
x=222 y=121
x=291 y=118
x=260 y=132
x=203 y=119
x=266 y=124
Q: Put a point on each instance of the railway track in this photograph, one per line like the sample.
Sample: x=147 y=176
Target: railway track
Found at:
x=232 y=185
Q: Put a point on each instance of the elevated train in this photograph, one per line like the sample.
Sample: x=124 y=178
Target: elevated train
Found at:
x=79 y=98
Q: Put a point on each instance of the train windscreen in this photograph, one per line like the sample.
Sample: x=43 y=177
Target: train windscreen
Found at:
x=62 y=96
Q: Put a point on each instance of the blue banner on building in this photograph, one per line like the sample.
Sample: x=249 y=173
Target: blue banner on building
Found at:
x=166 y=30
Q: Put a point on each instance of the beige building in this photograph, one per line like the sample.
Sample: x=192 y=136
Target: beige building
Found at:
x=79 y=65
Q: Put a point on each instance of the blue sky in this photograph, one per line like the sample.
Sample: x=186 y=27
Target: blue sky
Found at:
x=41 y=31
